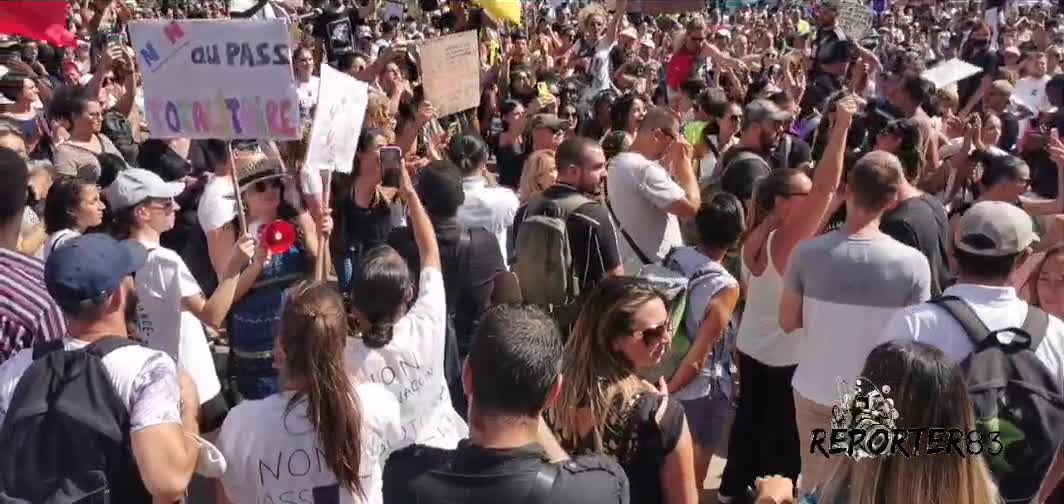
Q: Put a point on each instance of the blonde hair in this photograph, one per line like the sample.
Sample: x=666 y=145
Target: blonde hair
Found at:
x=378 y=116
x=539 y=163
x=927 y=390
x=597 y=377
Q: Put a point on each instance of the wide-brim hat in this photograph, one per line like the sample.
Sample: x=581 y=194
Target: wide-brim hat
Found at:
x=256 y=167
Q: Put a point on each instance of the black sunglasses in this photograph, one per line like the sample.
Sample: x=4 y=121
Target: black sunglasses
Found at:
x=265 y=185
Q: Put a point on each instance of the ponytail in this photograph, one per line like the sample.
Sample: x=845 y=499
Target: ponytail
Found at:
x=380 y=292
x=314 y=329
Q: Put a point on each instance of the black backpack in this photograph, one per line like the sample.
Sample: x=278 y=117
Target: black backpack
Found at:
x=1015 y=396
x=116 y=127
x=66 y=435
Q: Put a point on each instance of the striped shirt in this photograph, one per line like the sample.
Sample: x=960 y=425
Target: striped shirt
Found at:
x=28 y=315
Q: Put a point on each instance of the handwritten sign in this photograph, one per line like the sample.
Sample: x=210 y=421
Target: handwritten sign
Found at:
x=217 y=79
x=854 y=18
x=342 y=102
x=450 y=72
x=392 y=10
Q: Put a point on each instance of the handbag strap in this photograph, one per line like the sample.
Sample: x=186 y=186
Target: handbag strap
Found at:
x=628 y=238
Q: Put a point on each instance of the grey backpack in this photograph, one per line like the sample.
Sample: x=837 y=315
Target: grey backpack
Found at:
x=544 y=264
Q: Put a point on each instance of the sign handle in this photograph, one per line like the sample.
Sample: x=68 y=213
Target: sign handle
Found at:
x=235 y=177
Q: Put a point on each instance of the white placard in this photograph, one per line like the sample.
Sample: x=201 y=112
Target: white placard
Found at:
x=342 y=102
x=450 y=72
x=228 y=79
x=855 y=18
x=392 y=9
x=949 y=72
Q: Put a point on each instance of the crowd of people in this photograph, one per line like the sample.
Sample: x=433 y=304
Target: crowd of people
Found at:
x=660 y=238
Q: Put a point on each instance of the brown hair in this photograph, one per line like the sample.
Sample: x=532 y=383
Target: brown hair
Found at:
x=313 y=332
x=875 y=179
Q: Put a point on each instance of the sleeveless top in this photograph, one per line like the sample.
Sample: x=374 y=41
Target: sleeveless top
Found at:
x=760 y=335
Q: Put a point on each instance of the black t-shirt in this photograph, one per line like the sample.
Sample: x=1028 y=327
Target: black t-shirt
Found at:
x=476 y=279
x=739 y=175
x=921 y=223
x=800 y=152
x=821 y=86
x=361 y=228
x=325 y=28
x=1010 y=132
x=592 y=239
x=478 y=475
x=509 y=164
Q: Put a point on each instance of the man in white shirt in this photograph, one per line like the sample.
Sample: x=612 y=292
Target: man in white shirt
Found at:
x=489 y=207
x=90 y=280
x=1030 y=91
x=992 y=239
x=648 y=187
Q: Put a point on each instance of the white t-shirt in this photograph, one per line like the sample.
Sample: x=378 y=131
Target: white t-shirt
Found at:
x=217 y=204
x=145 y=379
x=1031 y=93
x=308 y=95
x=599 y=70
x=273 y=454
x=161 y=283
x=997 y=307
x=55 y=240
x=640 y=191
x=411 y=367
x=491 y=208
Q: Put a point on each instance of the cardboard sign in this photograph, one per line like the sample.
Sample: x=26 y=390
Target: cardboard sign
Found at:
x=854 y=18
x=450 y=72
x=223 y=79
x=392 y=10
x=341 y=36
x=342 y=102
x=949 y=72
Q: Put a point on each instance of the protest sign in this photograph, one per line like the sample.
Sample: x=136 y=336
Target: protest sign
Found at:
x=342 y=101
x=217 y=79
x=949 y=72
x=450 y=72
x=391 y=10
x=854 y=18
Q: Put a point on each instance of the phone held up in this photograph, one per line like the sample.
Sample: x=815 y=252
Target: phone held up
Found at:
x=391 y=163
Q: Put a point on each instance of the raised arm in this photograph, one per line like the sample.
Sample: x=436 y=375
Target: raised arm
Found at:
x=620 y=9
x=424 y=233
x=809 y=217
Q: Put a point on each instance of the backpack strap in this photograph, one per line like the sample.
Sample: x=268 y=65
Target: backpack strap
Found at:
x=1035 y=325
x=43 y=349
x=103 y=346
x=459 y=266
x=543 y=485
x=965 y=316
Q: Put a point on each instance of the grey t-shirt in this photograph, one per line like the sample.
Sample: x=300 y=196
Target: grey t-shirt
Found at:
x=850 y=289
x=76 y=161
x=640 y=191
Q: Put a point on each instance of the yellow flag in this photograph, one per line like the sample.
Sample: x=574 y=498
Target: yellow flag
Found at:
x=503 y=10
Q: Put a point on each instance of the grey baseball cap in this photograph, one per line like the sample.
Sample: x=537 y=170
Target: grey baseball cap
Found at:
x=763 y=110
x=135 y=185
x=995 y=229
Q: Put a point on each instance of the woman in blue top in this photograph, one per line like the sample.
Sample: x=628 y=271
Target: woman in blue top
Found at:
x=256 y=313
x=703 y=381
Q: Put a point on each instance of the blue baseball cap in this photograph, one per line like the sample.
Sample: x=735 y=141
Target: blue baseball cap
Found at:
x=87 y=270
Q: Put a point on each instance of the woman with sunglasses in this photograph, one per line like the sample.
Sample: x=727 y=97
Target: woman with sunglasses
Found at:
x=788 y=208
x=256 y=312
x=721 y=131
x=82 y=117
x=605 y=407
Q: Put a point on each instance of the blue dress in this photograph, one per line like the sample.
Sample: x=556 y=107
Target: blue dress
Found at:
x=255 y=321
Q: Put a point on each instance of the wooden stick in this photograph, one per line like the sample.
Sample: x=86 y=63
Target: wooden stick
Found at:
x=241 y=219
x=322 y=266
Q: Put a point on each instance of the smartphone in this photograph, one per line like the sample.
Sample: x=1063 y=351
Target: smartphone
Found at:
x=391 y=163
x=544 y=91
x=113 y=38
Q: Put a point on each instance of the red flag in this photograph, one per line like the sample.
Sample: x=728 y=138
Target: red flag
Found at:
x=38 y=20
